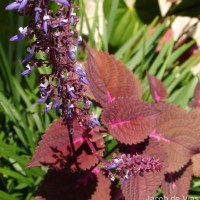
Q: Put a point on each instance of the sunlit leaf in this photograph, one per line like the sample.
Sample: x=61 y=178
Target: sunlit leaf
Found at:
x=129 y=121
x=177 y=133
x=109 y=78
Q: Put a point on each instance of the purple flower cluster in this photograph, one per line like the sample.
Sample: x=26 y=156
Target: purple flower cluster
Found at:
x=128 y=165
x=55 y=37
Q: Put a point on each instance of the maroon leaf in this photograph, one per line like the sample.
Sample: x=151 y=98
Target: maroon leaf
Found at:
x=58 y=185
x=196 y=101
x=157 y=88
x=176 y=131
x=59 y=150
x=195 y=114
x=165 y=39
x=103 y=190
x=109 y=78
x=144 y=186
x=129 y=121
x=195 y=165
x=176 y=185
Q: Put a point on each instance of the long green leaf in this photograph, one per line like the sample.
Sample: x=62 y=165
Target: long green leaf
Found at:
x=6 y=196
x=19 y=177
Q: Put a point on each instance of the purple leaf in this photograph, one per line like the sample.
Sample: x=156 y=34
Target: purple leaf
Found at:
x=109 y=78
x=157 y=88
x=196 y=101
x=128 y=120
x=177 y=184
x=195 y=165
x=55 y=149
x=74 y=186
x=177 y=132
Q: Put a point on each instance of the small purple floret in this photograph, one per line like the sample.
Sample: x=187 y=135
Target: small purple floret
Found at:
x=94 y=120
x=22 y=5
x=80 y=72
x=26 y=72
x=45 y=26
x=29 y=56
x=21 y=35
x=70 y=89
x=17 y=37
x=13 y=6
x=41 y=100
x=72 y=55
x=84 y=80
x=37 y=13
x=111 y=166
x=48 y=107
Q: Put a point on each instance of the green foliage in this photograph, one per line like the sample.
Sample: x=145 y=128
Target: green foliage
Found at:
x=122 y=21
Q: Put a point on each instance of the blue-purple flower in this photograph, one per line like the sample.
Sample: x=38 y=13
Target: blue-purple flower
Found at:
x=17 y=5
x=37 y=13
x=69 y=110
x=72 y=18
x=70 y=91
x=21 y=35
x=94 y=120
x=79 y=70
x=45 y=23
x=27 y=71
x=22 y=5
x=48 y=107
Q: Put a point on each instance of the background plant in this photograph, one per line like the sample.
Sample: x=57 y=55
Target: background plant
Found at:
x=133 y=53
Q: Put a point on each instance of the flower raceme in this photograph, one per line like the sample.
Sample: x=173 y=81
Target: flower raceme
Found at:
x=130 y=165
x=54 y=35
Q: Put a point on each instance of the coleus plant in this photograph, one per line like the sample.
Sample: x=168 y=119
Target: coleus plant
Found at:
x=158 y=143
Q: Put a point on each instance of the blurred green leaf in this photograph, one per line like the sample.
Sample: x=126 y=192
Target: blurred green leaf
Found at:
x=6 y=196
x=19 y=177
x=121 y=21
